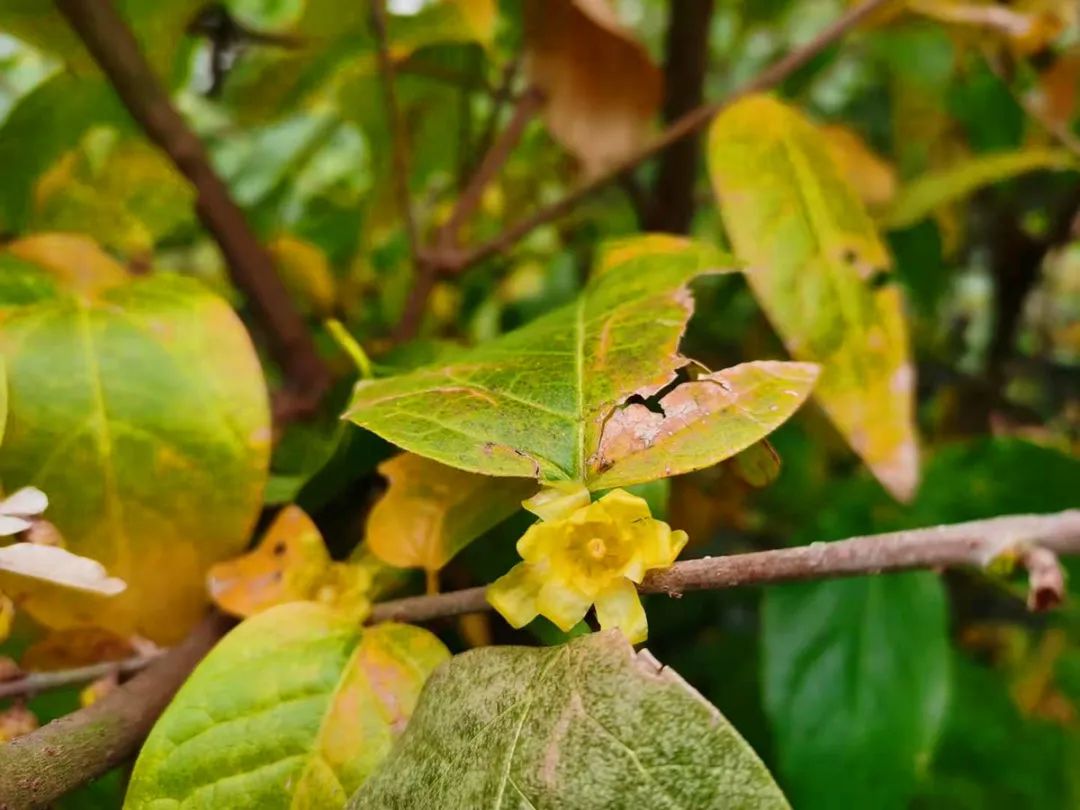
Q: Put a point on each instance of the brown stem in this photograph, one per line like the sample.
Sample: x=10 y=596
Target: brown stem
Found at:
x=33 y=683
x=963 y=544
x=116 y=51
x=687 y=125
x=40 y=767
x=1046 y=579
x=671 y=208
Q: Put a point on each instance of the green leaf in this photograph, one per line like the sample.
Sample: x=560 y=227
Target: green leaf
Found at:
x=142 y=413
x=855 y=683
x=550 y=400
x=46 y=122
x=590 y=724
x=924 y=195
x=820 y=272
x=294 y=708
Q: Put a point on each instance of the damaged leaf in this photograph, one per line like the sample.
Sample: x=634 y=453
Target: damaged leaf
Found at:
x=601 y=90
x=590 y=724
x=821 y=273
x=430 y=511
x=294 y=708
x=541 y=401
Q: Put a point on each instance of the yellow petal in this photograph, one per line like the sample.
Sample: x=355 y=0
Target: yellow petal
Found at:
x=659 y=545
x=514 y=595
x=623 y=507
x=536 y=544
x=557 y=500
x=619 y=606
x=562 y=603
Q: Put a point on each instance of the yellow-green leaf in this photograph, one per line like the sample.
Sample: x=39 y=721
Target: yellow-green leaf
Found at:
x=586 y=725
x=430 y=511
x=293 y=709
x=821 y=273
x=555 y=399
x=926 y=194
x=143 y=413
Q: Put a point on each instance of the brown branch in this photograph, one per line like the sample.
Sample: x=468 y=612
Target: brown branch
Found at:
x=963 y=544
x=1046 y=578
x=32 y=683
x=40 y=767
x=671 y=208
x=685 y=126
x=116 y=51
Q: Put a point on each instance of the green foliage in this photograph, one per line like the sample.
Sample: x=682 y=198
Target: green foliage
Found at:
x=295 y=708
x=590 y=724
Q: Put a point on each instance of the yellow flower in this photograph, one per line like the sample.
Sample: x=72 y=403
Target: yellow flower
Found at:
x=593 y=555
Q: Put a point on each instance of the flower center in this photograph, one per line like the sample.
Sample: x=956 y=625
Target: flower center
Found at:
x=596 y=548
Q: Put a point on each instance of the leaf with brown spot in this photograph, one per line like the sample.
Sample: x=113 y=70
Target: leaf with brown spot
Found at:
x=587 y=725
x=535 y=402
x=601 y=89
x=294 y=708
x=821 y=273
x=430 y=511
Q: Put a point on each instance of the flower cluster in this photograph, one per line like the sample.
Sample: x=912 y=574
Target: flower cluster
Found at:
x=580 y=555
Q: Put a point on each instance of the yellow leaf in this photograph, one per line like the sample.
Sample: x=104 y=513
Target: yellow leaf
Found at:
x=821 y=273
x=75 y=647
x=305 y=270
x=1029 y=26
x=872 y=177
x=601 y=89
x=431 y=511
x=290 y=564
x=74 y=260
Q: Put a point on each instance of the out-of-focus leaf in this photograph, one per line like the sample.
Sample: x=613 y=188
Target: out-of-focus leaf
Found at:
x=431 y=511
x=306 y=272
x=553 y=400
x=75 y=261
x=821 y=273
x=872 y=177
x=601 y=89
x=3 y=397
x=590 y=724
x=45 y=123
x=143 y=413
x=20 y=562
x=67 y=649
x=290 y=564
x=1029 y=29
x=294 y=708
x=16 y=721
x=924 y=195
x=128 y=199
x=855 y=681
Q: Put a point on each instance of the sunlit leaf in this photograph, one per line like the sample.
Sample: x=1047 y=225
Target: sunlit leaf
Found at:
x=601 y=89
x=821 y=273
x=1029 y=29
x=294 y=708
x=142 y=412
x=547 y=400
x=872 y=177
x=926 y=194
x=590 y=724
x=75 y=261
x=431 y=511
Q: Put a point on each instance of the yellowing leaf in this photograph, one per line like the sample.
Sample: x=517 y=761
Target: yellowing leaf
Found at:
x=550 y=400
x=294 y=708
x=74 y=260
x=76 y=647
x=305 y=270
x=926 y=194
x=290 y=564
x=143 y=414
x=431 y=511
x=821 y=273
x=1030 y=27
x=872 y=177
x=601 y=89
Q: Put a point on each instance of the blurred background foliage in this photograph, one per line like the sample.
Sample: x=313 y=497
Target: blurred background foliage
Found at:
x=916 y=690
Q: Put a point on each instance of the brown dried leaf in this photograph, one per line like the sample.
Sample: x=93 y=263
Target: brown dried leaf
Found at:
x=601 y=88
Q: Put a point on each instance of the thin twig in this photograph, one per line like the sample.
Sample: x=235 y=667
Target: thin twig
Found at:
x=116 y=51
x=398 y=134
x=33 y=683
x=964 y=544
x=685 y=126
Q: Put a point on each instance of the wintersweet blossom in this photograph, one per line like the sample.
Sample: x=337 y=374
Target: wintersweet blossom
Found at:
x=584 y=555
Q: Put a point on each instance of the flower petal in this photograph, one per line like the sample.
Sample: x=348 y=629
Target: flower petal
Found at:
x=623 y=507
x=514 y=595
x=620 y=606
x=557 y=500
x=564 y=604
x=659 y=545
